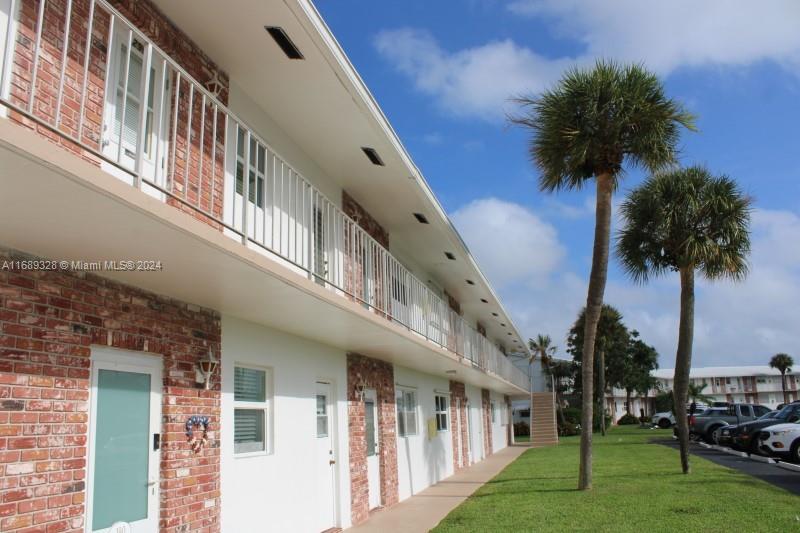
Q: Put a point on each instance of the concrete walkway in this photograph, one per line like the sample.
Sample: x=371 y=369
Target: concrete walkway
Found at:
x=421 y=512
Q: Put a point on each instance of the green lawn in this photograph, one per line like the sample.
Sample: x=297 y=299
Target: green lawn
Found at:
x=638 y=487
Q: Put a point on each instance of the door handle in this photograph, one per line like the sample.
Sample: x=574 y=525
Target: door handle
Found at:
x=151 y=483
x=332 y=462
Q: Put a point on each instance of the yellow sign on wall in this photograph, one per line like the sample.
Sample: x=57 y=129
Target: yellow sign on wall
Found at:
x=431 y=428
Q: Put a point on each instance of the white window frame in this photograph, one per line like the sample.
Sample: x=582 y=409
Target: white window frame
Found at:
x=403 y=411
x=442 y=414
x=265 y=406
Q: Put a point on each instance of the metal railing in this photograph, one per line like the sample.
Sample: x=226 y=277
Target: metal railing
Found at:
x=83 y=71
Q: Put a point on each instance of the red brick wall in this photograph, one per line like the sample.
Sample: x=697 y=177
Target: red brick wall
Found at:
x=196 y=190
x=354 y=210
x=458 y=392
x=371 y=374
x=452 y=302
x=487 y=421
x=48 y=323
x=358 y=252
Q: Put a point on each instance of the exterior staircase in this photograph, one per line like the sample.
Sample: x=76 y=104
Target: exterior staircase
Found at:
x=544 y=430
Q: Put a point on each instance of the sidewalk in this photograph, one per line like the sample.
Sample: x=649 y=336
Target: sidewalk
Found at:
x=421 y=512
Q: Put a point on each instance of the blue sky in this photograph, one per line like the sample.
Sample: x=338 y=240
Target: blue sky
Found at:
x=443 y=73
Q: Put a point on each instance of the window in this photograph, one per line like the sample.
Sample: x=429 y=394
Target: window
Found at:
x=491 y=408
x=760 y=410
x=255 y=184
x=406 y=412
x=322 y=415
x=251 y=410
x=442 y=420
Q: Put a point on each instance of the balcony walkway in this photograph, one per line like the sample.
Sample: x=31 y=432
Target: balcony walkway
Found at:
x=423 y=511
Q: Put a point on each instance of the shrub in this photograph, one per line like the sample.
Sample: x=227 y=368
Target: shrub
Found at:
x=627 y=420
x=522 y=429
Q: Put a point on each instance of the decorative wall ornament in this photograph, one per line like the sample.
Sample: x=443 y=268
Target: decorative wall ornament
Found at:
x=196 y=443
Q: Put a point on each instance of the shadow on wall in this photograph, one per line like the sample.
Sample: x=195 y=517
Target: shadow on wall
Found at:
x=436 y=457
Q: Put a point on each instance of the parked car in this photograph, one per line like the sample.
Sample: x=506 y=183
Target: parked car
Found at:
x=666 y=419
x=703 y=425
x=782 y=441
x=743 y=436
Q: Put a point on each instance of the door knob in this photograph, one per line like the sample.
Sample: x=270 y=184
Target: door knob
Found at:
x=332 y=462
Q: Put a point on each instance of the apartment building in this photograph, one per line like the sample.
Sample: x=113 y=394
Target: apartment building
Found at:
x=739 y=384
x=229 y=301
x=732 y=384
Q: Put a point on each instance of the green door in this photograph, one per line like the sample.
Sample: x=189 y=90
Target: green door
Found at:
x=124 y=450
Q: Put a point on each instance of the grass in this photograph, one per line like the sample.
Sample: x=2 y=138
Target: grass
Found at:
x=638 y=487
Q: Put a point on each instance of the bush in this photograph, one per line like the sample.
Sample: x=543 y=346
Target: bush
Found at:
x=572 y=415
x=596 y=420
x=627 y=420
x=522 y=429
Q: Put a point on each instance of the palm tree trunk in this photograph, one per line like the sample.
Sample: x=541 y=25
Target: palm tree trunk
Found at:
x=594 y=304
x=683 y=362
x=628 y=401
x=601 y=386
x=783 y=386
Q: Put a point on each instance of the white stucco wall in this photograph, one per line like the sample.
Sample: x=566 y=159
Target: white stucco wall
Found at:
x=422 y=461
x=274 y=492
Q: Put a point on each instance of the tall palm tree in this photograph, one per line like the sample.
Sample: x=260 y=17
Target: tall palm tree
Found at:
x=782 y=363
x=543 y=348
x=685 y=221
x=586 y=128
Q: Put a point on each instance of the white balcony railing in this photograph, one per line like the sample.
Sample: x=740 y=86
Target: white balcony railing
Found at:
x=112 y=95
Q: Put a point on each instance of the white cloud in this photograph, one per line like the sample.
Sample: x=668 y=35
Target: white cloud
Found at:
x=433 y=138
x=735 y=323
x=667 y=35
x=511 y=243
x=478 y=81
x=475 y=81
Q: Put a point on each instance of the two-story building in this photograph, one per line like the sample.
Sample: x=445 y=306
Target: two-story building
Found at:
x=229 y=300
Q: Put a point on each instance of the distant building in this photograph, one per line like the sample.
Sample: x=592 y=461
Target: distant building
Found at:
x=733 y=384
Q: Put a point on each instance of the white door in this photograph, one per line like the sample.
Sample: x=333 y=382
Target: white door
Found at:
x=457 y=429
x=124 y=441
x=326 y=459
x=122 y=117
x=373 y=448
x=470 y=458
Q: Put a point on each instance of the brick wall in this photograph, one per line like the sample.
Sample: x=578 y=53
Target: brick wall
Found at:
x=458 y=392
x=358 y=252
x=452 y=302
x=354 y=210
x=486 y=400
x=378 y=375
x=190 y=187
x=48 y=323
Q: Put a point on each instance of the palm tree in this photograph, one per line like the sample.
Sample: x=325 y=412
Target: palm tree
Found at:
x=586 y=128
x=695 y=393
x=782 y=363
x=685 y=221
x=543 y=348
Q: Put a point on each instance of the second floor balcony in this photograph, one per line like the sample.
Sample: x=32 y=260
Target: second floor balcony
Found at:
x=88 y=79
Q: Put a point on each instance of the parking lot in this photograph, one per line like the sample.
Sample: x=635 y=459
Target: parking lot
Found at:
x=780 y=475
